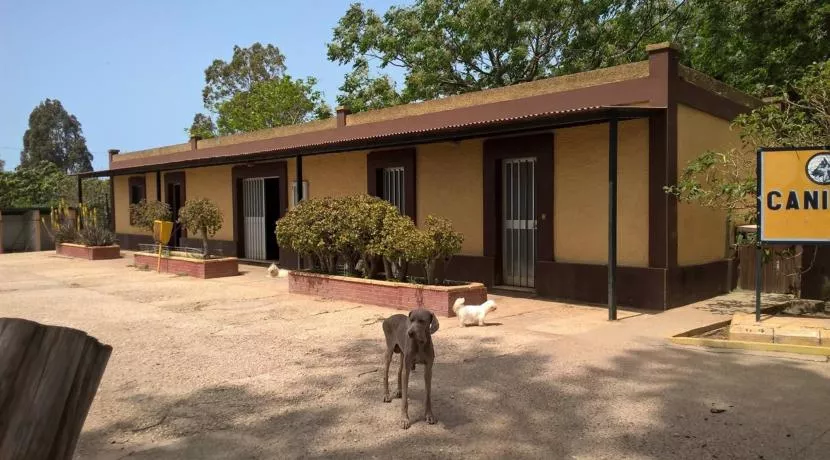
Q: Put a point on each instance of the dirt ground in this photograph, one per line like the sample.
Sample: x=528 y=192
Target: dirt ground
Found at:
x=239 y=368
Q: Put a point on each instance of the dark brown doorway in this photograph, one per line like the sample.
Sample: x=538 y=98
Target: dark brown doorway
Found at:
x=175 y=198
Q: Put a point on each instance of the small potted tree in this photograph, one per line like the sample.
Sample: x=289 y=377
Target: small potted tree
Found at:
x=144 y=214
x=203 y=217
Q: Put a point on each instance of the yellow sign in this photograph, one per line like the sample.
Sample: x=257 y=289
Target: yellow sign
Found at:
x=162 y=230
x=794 y=194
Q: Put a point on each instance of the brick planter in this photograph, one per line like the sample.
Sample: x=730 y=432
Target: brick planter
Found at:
x=197 y=268
x=80 y=251
x=403 y=296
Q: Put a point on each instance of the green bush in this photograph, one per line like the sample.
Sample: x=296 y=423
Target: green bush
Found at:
x=366 y=228
x=146 y=213
x=201 y=216
x=96 y=235
x=438 y=242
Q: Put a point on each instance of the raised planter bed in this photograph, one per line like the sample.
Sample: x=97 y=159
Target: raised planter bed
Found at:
x=402 y=296
x=89 y=252
x=197 y=268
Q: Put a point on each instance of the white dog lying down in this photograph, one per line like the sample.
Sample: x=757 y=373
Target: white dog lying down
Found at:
x=472 y=313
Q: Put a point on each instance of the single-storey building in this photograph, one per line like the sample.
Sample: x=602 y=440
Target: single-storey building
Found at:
x=522 y=171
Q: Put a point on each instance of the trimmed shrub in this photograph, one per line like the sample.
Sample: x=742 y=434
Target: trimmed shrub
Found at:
x=201 y=216
x=368 y=229
x=438 y=242
x=146 y=213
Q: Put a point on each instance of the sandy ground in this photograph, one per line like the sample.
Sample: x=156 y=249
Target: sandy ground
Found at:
x=239 y=368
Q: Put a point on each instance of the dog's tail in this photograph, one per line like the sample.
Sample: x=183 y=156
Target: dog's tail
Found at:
x=459 y=302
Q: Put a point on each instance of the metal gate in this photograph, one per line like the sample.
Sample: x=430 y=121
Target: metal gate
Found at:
x=519 y=221
x=253 y=204
x=393 y=187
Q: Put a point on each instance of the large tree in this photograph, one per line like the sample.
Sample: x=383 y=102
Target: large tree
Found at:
x=271 y=103
x=447 y=47
x=40 y=184
x=361 y=92
x=55 y=136
x=252 y=92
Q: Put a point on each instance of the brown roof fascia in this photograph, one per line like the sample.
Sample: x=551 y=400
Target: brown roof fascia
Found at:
x=618 y=93
x=527 y=123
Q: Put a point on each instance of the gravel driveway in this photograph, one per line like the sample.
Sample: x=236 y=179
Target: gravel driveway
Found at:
x=239 y=368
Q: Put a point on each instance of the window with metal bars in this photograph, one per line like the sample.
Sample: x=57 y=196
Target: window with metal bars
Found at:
x=392 y=187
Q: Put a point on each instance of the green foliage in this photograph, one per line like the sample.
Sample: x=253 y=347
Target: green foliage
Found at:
x=56 y=137
x=361 y=220
x=83 y=226
x=146 y=213
x=224 y=80
x=450 y=47
x=64 y=225
x=202 y=127
x=398 y=244
x=96 y=235
x=252 y=92
x=360 y=92
x=203 y=216
x=271 y=103
x=438 y=242
x=41 y=184
x=726 y=180
x=311 y=229
x=365 y=228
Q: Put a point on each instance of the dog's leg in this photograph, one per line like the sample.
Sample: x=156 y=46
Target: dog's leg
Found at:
x=387 y=359
x=481 y=320
x=405 y=397
x=400 y=371
x=428 y=385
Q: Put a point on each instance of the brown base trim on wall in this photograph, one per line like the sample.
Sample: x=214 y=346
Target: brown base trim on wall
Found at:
x=638 y=287
x=697 y=282
x=228 y=248
x=130 y=242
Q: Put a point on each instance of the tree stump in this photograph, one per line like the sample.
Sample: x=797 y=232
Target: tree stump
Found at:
x=48 y=378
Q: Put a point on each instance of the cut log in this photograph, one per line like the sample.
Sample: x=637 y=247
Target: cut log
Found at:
x=48 y=378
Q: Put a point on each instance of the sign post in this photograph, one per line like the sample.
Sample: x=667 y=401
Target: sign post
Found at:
x=793 y=201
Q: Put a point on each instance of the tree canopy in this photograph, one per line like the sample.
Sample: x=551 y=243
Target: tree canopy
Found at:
x=55 y=136
x=253 y=92
x=726 y=179
x=271 y=103
x=202 y=127
x=447 y=47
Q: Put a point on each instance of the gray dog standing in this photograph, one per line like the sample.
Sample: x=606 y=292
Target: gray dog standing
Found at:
x=411 y=336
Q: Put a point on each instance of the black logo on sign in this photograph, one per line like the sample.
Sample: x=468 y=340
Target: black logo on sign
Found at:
x=818 y=168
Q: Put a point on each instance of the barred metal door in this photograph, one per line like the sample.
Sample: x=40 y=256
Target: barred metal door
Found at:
x=253 y=204
x=393 y=187
x=519 y=221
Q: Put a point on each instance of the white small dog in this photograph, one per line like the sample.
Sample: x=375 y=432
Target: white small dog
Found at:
x=472 y=313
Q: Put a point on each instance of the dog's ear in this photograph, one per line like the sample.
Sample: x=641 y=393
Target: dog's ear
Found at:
x=410 y=315
x=433 y=325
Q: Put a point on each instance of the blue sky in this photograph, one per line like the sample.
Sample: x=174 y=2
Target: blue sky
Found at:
x=132 y=71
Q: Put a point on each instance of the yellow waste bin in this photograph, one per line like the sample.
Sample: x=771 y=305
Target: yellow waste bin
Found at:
x=162 y=230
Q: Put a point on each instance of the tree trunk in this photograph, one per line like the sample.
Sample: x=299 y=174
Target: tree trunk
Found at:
x=48 y=378
x=429 y=269
x=387 y=268
x=403 y=270
x=204 y=243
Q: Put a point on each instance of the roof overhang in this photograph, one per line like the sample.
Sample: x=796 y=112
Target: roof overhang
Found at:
x=457 y=125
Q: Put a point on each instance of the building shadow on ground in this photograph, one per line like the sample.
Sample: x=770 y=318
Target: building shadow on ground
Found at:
x=658 y=402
